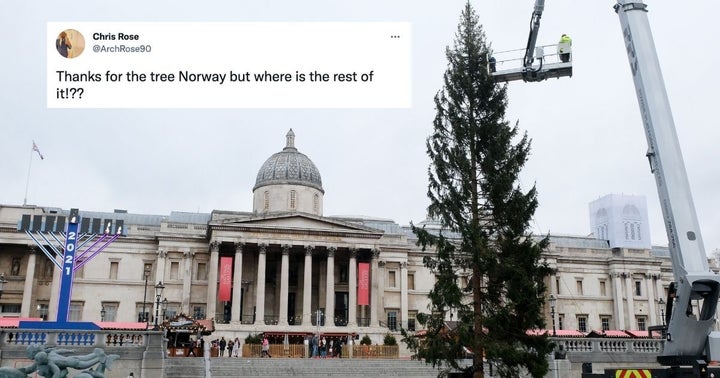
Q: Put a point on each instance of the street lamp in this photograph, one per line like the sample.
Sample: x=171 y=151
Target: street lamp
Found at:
x=164 y=308
x=661 y=302
x=144 y=317
x=553 y=301
x=3 y=281
x=158 y=294
x=102 y=313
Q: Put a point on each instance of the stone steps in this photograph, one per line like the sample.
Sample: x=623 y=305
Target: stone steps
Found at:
x=284 y=367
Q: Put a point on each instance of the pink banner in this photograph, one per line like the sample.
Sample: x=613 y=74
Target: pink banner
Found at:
x=225 y=279
x=363 y=284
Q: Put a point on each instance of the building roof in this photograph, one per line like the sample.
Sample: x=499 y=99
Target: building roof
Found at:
x=289 y=166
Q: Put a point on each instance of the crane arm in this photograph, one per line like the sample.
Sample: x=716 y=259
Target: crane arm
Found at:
x=534 y=30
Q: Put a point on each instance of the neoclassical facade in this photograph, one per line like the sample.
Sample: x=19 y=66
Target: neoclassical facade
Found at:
x=284 y=267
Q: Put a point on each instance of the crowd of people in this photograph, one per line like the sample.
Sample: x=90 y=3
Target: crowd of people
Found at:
x=321 y=347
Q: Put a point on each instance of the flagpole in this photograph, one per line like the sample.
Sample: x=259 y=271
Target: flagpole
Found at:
x=27 y=182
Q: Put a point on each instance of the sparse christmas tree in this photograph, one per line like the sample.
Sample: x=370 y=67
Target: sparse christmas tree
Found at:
x=476 y=158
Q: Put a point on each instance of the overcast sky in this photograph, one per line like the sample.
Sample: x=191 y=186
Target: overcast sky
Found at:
x=586 y=130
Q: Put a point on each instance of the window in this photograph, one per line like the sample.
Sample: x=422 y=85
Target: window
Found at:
x=579 y=287
x=561 y=317
x=15 y=268
x=199 y=311
x=47 y=269
x=114 y=269
x=143 y=312
x=582 y=323
x=638 y=288
x=557 y=285
x=392 y=320
x=43 y=310
x=641 y=321
x=463 y=282
x=316 y=204
x=110 y=311
x=201 y=274
x=605 y=322
x=391 y=279
x=76 y=309
x=10 y=308
x=411 y=320
x=293 y=200
x=411 y=281
x=343 y=276
x=603 y=289
x=266 y=201
x=171 y=311
x=174 y=267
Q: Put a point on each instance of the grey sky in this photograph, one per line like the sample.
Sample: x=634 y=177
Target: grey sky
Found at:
x=586 y=130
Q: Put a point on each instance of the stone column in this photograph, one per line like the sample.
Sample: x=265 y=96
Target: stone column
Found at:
x=403 y=294
x=352 y=289
x=188 y=256
x=28 y=287
x=237 y=284
x=631 y=302
x=307 y=287
x=374 y=300
x=330 y=288
x=619 y=308
x=160 y=266
x=212 y=280
x=260 y=295
x=54 y=293
x=652 y=302
x=284 y=282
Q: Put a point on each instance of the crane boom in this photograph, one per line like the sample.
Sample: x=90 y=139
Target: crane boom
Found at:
x=687 y=333
x=534 y=30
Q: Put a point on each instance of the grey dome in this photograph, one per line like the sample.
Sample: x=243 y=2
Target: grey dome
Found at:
x=289 y=167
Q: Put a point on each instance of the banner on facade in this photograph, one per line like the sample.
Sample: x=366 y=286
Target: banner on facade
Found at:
x=364 y=284
x=225 y=279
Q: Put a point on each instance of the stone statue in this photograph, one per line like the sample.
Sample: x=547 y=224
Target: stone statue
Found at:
x=50 y=362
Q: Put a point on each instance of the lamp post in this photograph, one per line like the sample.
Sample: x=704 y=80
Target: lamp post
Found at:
x=164 y=308
x=661 y=302
x=3 y=281
x=102 y=313
x=144 y=317
x=158 y=294
x=553 y=301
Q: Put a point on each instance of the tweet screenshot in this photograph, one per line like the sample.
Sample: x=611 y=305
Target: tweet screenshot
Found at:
x=228 y=65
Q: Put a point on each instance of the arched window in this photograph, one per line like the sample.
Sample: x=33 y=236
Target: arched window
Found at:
x=266 y=201
x=293 y=199
x=316 y=204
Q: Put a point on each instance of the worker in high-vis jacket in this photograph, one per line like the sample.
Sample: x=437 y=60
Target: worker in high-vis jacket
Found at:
x=564 y=47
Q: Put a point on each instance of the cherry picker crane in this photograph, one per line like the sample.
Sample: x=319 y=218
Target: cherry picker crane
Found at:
x=688 y=341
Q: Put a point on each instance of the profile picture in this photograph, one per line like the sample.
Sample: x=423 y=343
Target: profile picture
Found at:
x=70 y=43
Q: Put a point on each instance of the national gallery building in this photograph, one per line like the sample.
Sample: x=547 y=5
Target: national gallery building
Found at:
x=285 y=268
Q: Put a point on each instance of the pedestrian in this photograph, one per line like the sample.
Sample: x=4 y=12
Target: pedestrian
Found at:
x=323 y=348
x=230 y=346
x=265 y=347
x=564 y=47
x=314 y=344
x=222 y=344
x=191 y=349
x=236 y=348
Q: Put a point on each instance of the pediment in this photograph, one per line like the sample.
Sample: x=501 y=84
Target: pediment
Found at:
x=295 y=221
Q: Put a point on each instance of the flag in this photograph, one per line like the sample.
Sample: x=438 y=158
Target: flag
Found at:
x=225 y=278
x=35 y=148
x=363 y=284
